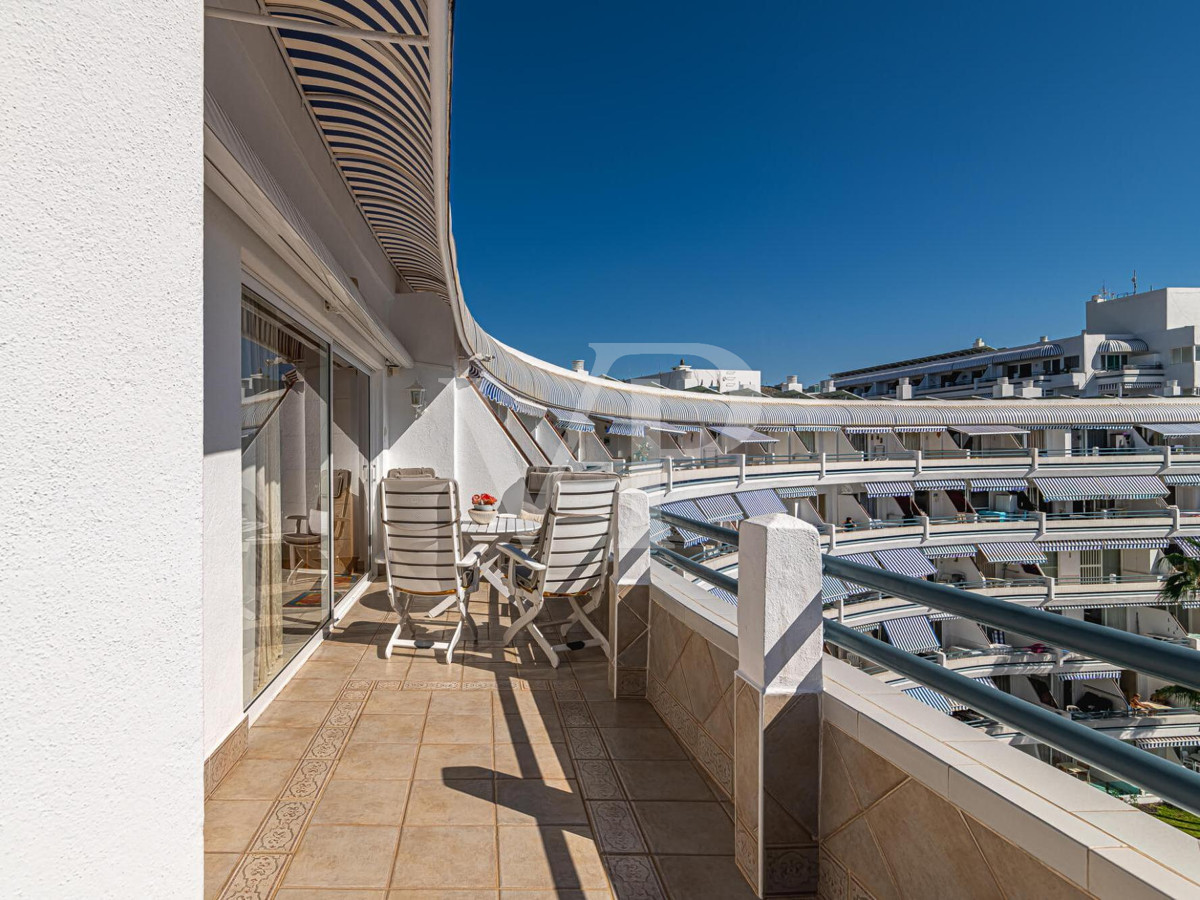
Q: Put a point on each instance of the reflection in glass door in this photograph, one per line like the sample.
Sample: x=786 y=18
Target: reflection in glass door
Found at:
x=285 y=491
x=351 y=410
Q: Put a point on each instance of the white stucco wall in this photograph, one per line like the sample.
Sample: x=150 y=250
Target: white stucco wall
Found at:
x=100 y=456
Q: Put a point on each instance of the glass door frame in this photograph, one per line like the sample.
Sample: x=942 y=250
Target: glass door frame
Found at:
x=370 y=453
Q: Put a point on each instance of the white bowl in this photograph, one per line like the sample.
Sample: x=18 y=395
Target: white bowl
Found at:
x=484 y=516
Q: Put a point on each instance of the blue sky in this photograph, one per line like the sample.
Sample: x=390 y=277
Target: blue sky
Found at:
x=813 y=187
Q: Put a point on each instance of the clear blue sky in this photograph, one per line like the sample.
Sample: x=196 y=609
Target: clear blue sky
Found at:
x=818 y=186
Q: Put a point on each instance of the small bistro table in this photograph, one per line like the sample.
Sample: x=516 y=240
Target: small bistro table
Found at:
x=487 y=537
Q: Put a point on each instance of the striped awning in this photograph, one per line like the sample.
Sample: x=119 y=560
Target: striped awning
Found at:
x=888 y=488
x=919 y=429
x=1089 y=676
x=572 y=420
x=721 y=508
x=639 y=427
x=791 y=493
x=985 y=680
x=776 y=429
x=1136 y=544
x=972 y=430
x=913 y=634
x=867 y=429
x=760 y=503
x=743 y=435
x=1122 y=345
x=722 y=594
x=659 y=531
x=1157 y=743
x=1012 y=552
x=1181 y=429
x=865 y=559
x=1092 y=604
x=1191 y=478
x=933 y=698
x=949 y=551
x=498 y=394
x=833 y=589
x=999 y=484
x=1107 y=544
x=1187 y=548
x=1124 y=487
x=905 y=561
x=689 y=510
x=939 y=484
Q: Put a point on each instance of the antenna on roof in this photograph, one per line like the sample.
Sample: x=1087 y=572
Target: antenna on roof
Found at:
x=1134 y=280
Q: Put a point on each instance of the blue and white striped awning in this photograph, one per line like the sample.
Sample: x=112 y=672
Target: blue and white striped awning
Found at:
x=865 y=559
x=905 y=561
x=1092 y=604
x=833 y=589
x=939 y=484
x=867 y=429
x=1157 y=743
x=1187 y=548
x=1190 y=478
x=974 y=430
x=572 y=420
x=791 y=493
x=888 y=488
x=743 y=435
x=913 y=634
x=498 y=394
x=1122 y=345
x=985 y=680
x=721 y=508
x=1012 y=552
x=639 y=427
x=659 y=531
x=761 y=502
x=999 y=484
x=1089 y=676
x=919 y=429
x=1124 y=487
x=689 y=510
x=723 y=594
x=932 y=698
x=1180 y=429
x=949 y=551
x=1136 y=544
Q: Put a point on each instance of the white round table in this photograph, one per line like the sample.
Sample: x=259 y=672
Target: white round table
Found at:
x=501 y=529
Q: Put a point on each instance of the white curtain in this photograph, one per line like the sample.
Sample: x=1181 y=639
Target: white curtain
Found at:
x=262 y=562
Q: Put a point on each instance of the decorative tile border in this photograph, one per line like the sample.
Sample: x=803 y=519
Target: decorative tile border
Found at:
x=226 y=756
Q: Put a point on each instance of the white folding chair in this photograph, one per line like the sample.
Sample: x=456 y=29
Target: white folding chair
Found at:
x=568 y=559
x=420 y=518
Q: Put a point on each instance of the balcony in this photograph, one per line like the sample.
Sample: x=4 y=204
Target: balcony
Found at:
x=496 y=774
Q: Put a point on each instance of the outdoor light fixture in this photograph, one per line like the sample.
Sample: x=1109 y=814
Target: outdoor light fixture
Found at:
x=417 y=394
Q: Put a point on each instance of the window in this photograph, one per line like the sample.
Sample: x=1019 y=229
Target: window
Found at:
x=286 y=593
x=1114 y=362
x=1071 y=363
x=1183 y=355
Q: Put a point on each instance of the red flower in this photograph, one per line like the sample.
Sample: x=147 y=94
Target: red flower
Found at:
x=483 y=500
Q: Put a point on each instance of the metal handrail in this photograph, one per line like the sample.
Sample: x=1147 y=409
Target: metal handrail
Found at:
x=1129 y=651
x=705 y=529
x=1171 y=782
x=712 y=576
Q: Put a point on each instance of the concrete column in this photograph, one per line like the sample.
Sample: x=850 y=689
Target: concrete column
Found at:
x=103 y=394
x=1166 y=454
x=741 y=463
x=669 y=472
x=1041 y=524
x=918 y=462
x=629 y=596
x=1033 y=460
x=777 y=714
x=821 y=464
x=925 y=532
x=1175 y=522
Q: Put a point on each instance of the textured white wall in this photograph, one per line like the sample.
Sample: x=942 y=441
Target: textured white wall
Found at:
x=100 y=453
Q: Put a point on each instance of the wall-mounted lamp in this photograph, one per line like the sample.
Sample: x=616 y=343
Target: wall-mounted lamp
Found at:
x=417 y=395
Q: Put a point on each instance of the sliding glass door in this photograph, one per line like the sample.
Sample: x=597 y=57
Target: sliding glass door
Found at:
x=351 y=475
x=286 y=509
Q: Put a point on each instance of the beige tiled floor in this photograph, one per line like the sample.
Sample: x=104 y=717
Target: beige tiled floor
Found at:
x=498 y=777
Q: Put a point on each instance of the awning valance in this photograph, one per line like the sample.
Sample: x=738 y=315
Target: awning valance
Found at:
x=1157 y=743
x=999 y=484
x=1012 y=552
x=1089 y=676
x=743 y=435
x=919 y=429
x=888 y=488
x=760 y=503
x=572 y=420
x=939 y=484
x=791 y=493
x=1191 y=478
x=949 y=551
x=721 y=508
x=1113 y=544
x=497 y=393
x=913 y=634
x=973 y=430
x=868 y=429
x=905 y=561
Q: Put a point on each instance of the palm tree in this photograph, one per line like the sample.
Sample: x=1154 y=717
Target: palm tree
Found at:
x=1184 y=584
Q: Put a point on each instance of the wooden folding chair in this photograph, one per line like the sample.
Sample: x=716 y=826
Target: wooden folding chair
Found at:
x=569 y=559
x=421 y=521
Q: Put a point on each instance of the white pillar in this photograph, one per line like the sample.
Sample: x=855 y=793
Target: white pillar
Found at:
x=741 y=464
x=777 y=716
x=629 y=597
x=101 y=451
